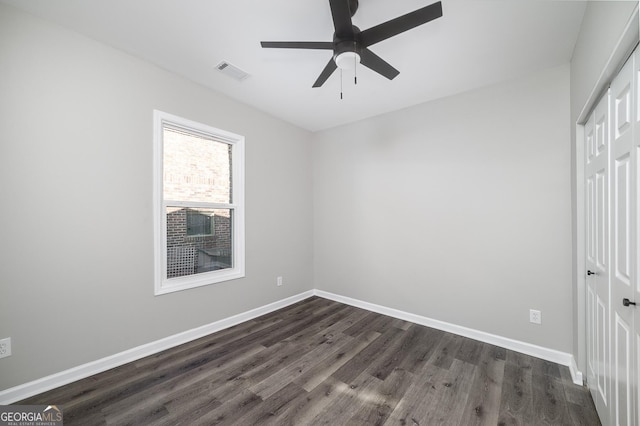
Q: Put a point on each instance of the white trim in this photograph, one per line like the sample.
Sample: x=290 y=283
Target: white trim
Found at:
x=552 y=355
x=580 y=251
x=162 y=284
x=53 y=381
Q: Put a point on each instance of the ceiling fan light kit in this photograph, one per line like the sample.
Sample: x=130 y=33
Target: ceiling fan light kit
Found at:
x=347 y=60
x=350 y=46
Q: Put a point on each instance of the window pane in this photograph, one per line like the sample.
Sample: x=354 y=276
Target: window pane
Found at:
x=200 y=222
x=195 y=168
x=189 y=254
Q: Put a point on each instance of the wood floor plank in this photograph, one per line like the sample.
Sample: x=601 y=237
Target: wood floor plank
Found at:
x=469 y=351
x=290 y=330
x=356 y=365
x=354 y=315
x=499 y=353
x=545 y=368
x=385 y=400
x=278 y=380
x=148 y=414
x=204 y=344
x=306 y=406
x=483 y=405
x=421 y=343
x=229 y=413
x=391 y=357
x=452 y=394
x=287 y=353
x=85 y=389
x=193 y=394
x=583 y=414
x=272 y=406
x=184 y=387
x=349 y=399
x=549 y=403
x=127 y=394
x=362 y=326
x=582 y=410
x=446 y=350
x=214 y=391
x=516 y=406
x=188 y=407
x=327 y=366
x=382 y=323
x=327 y=326
x=420 y=397
x=549 y=396
x=323 y=362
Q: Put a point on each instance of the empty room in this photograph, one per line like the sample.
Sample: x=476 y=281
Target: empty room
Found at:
x=324 y=212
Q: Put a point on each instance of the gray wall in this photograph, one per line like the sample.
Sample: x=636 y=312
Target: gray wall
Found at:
x=457 y=209
x=76 y=274
x=602 y=26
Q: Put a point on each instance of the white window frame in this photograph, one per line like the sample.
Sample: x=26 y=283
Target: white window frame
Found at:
x=162 y=284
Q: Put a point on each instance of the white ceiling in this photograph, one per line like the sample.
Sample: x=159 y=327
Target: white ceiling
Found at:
x=475 y=43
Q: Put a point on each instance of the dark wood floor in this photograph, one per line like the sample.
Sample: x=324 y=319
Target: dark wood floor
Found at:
x=321 y=362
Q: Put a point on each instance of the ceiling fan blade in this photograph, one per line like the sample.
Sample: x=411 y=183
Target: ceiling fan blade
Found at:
x=326 y=45
x=401 y=24
x=326 y=73
x=377 y=64
x=341 y=14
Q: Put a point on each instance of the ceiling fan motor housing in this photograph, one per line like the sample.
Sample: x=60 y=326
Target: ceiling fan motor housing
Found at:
x=350 y=44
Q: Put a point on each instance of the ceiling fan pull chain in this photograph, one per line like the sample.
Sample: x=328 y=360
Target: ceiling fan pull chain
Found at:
x=340 y=83
x=355 y=64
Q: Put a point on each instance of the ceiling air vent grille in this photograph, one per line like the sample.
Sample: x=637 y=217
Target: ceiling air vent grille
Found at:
x=232 y=71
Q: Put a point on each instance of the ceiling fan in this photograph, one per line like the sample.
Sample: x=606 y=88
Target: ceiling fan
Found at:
x=350 y=45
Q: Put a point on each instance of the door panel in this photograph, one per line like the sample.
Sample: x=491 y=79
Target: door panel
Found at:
x=620 y=166
x=622 y=220
x=590 y=238
x=597 y=198
x=601 y=220
x=591 y=342
x=602 y=361
x=622 y=406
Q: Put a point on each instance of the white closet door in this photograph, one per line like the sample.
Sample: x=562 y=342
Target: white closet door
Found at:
x=592 y=365
x=621 y=166
x=597 y=198
x=635 y=230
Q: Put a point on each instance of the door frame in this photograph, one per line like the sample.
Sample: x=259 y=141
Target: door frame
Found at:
x=623 y=48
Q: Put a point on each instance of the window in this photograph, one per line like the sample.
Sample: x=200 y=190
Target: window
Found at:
x=198 y=203
x=200 y=222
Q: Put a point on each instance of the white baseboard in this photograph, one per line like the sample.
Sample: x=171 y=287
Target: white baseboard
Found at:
x=53 y=381
x=552 y=355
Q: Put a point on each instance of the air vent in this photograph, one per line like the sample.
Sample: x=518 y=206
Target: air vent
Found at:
x=232 y=71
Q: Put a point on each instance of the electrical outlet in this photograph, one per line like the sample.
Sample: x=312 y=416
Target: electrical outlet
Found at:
x=535 y=316
x=279 y=281
x=5 y=347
